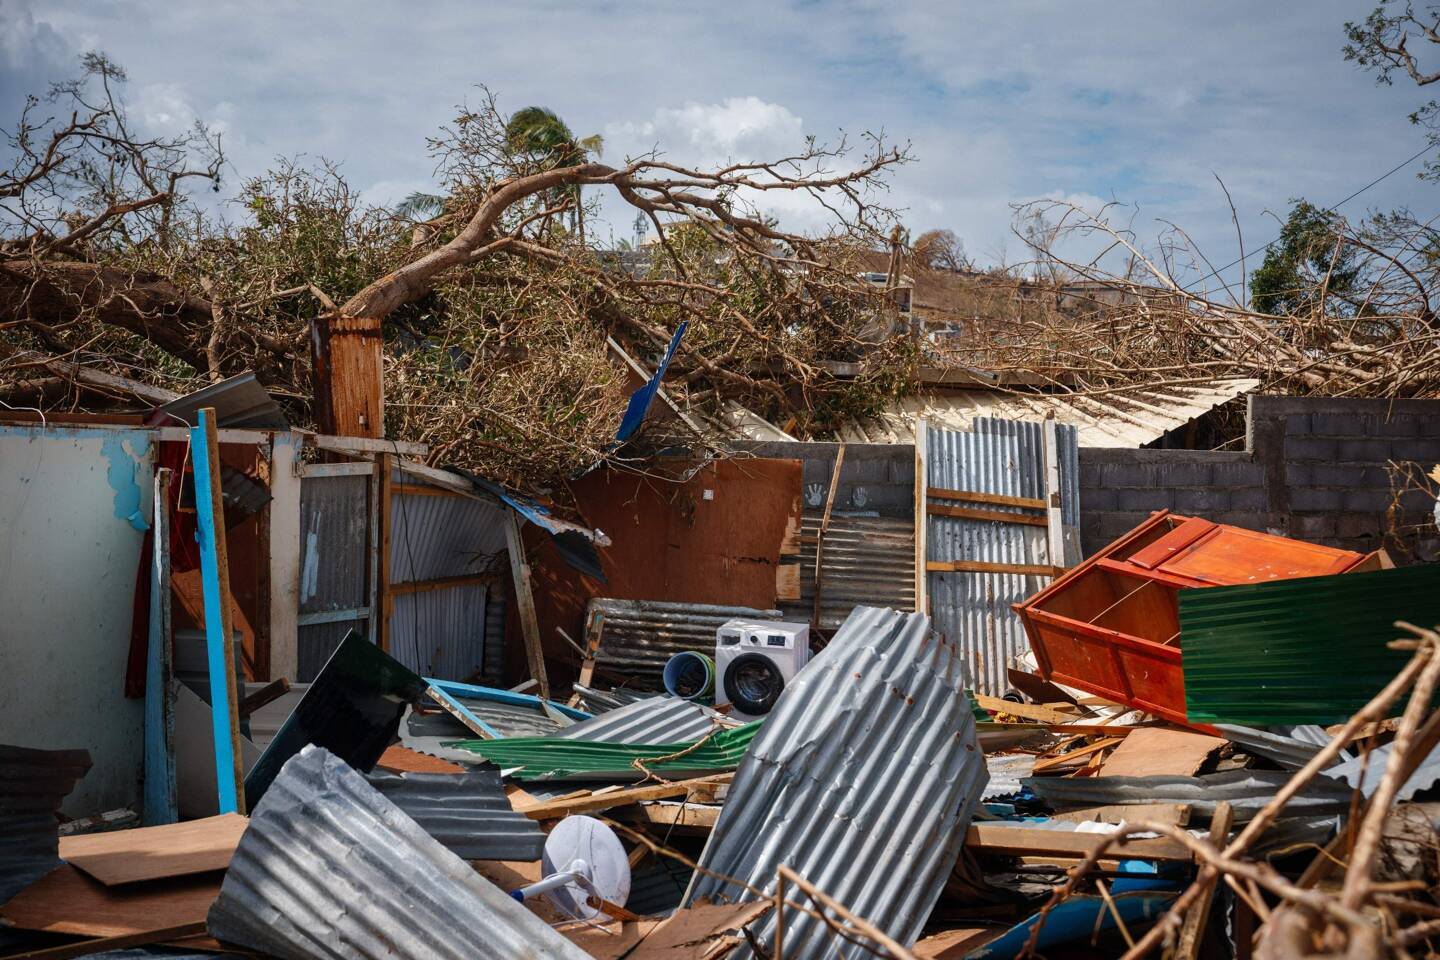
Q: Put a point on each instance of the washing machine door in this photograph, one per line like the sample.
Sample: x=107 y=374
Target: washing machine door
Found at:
x=753 y=683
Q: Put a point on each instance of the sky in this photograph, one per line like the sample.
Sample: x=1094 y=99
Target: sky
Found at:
x=1139 y=103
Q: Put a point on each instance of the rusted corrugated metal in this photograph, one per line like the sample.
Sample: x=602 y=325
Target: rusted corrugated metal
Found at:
x=32 y=784
x=863 y=779
x=330 y=868
x=869 y=561
x=973 y=609
x=640 y=636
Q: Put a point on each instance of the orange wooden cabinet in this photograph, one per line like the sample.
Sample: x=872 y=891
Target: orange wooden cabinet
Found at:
x=1111 y=626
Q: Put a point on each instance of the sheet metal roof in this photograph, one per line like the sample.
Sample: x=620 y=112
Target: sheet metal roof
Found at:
x=1312 y=650
x=551 y=758
x=652 y=720
x=330 y=868
x=468 y=812
x=32 y=784
x=868 y=561
x=863 y=780
x=1104 y=421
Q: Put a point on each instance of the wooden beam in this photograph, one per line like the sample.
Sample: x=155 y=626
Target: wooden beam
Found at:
x=686 y=818
x=346 y=361
x=215 y=575
x=1021 y=841
x=363 y=444
x=1192 y=929
x=441 y=583
x=1055 y=527
x=1065 y=759
x=161 y=801
x=820 y=538
x=984 y=566
x=975 y=513
x=525 y=599
x=361 y=468
x=421 y=490
x=269 y=693
x=995 y=499
x=1030 y=711
x=183 y=931
x=565 y=806
x=285 y=557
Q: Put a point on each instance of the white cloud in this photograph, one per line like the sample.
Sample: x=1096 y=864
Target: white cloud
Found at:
x=738 y=128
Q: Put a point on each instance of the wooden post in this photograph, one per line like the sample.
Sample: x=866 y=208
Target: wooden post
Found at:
x=161 y=803
x=1192 y=929
x=922 y=520
x=1055 y=525
x=820 y=537
x=372 y=551
x=284 y=550
x=525 y=600
x=385 y=468
x=347 y=364
x=215 y=576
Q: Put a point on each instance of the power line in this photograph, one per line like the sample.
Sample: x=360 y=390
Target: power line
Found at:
x=1330 y=209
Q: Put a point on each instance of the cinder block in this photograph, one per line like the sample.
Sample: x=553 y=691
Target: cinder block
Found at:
x=1373 y=501
x=1310 y=448
x=1350 y=526
x=1315 y=526
x=1205 y=502
x=1299 y=474
x=1142 y=500
x=1238 y=473
x=1298 y=425
x=1248 y=498
x=1337 y=474
x=1250 y=520
x=1184 y=473
x=1429 y=426
x=1371 y=450
x=1343 y=424
x=1316 y=498
x=1098 y=498
x=1400 y=425
x=1421 y=450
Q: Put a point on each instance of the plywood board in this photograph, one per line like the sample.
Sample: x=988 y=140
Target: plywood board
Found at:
x=67 y=901
x=404 y=760
x=1160 y=751
x=153 y=853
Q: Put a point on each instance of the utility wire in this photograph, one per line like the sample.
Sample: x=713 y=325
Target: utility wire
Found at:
x=1330 y=209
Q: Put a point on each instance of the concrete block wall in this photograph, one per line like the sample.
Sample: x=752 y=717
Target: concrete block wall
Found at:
x=874 y=478
x=1313 y=468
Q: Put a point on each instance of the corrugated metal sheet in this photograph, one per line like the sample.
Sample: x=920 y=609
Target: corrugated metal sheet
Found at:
x=1291 y=747
x=640 y=636
x=334 y=569
x=467 y=812
x=495 y=604
x=503 y=713
x=330 y=868
x=863 y=780
x=551 y=758
x=32 y=784
x=1349 y=771
x=441 y=633
x=657 y=886
x=239 y=401
x=603 y=701
x=1299 y=651
x=1245 y=790
x=1106 y=421
x=869 y=561
x=974 y=609
x=652 y=720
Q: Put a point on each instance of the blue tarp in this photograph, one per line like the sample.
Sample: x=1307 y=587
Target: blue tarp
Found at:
x=641 y=399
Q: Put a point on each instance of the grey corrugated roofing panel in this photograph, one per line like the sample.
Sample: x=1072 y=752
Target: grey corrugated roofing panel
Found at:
x=330 y=868
x=652 y=720
x=32 y=784
x=974 y=609
x=468 y=812
x=863 y=779
x=638 y=637
x=1291 y=747
x=1423 y=778
x=603 y=701
x=868 y=561
x=1245 y=790
x=239 y=401
x=427 y=732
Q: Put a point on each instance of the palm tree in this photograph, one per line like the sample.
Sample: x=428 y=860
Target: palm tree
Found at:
x=539 y=135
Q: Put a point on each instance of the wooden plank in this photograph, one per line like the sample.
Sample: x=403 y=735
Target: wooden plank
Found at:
x=687 y=817
x=422 y=490
x=922 y=515
x=1192 y=928
x=360 y=445
x=1055 y=526
x=269 y=693
x=787 y=581
x=1159 y=751
x=285 y=556
x=525 y=599
x=1021 y=841
x=404 y=760
x=154 y=853
x=317 y=470
x=1031 y=711
x=160 y=802
x=215 y=574
x=106 y=944
x=440 y=583
x=976 y=513
x=995 y=499
x=1176 y=814
x=984 y=566
x=1064 y=759
x=565 y=806
x=65 y=900
x=820 y=538
x=387 y=599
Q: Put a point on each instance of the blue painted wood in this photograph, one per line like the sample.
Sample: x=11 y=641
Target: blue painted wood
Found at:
x=161 y=802
x=449 y=690
x=217 y=644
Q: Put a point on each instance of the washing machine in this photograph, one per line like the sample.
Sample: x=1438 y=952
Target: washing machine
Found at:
x=754 y=660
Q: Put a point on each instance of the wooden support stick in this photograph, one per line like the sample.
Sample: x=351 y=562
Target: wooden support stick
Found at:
x=104 y=944
x=996 y=499
x=525 y=599
x=825 y=528
x=1192 y=931
x=975 y=513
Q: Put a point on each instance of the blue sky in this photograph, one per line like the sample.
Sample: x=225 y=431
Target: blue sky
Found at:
x=1141 y=103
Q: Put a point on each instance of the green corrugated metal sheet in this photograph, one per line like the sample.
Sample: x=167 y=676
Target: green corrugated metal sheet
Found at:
x=1299 y=651
x=552 y=758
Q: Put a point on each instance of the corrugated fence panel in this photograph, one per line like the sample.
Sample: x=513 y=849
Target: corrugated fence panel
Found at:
x=974 y=609
x=441 y=632
x=1299 y=651
x=32 y=784
x=640 y=636
x=869 y=561
x=334 y=570
x=863 y=779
